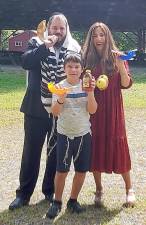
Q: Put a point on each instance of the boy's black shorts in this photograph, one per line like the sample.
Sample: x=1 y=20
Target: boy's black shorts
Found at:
x=79 y=148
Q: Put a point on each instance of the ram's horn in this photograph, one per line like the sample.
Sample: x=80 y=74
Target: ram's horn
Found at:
x=41 y=30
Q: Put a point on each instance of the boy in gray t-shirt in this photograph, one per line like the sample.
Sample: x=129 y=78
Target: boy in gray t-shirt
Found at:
x=73 y=133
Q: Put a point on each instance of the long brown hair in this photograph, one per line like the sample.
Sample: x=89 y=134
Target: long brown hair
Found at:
x=91 y=57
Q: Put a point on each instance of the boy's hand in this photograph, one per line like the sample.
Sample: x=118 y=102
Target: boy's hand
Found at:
x=93 y=84
x=61 y=98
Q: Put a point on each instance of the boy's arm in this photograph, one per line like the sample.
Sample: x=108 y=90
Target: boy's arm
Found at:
x=57 y=105
x=91 y=101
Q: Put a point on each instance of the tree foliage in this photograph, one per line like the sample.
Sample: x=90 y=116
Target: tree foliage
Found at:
x=5 y=36
x=125 y=41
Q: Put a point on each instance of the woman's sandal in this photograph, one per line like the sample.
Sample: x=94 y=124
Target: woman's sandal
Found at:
x=98 y=199
x=130 y=199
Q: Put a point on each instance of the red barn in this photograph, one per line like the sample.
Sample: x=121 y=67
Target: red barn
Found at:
x=18 y=43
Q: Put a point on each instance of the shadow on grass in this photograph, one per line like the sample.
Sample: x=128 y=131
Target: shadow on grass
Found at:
x=35 y=215
x=27 y=215
x=92 y=216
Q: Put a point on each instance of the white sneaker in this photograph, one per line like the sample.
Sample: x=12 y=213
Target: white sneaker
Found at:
x=130 y=198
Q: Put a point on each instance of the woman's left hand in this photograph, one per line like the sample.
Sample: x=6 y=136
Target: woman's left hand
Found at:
x=120 y=64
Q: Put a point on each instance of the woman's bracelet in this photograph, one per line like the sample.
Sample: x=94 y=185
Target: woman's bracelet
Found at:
x=60 y=103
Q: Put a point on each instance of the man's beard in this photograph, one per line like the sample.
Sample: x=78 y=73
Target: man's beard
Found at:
x=58 y=44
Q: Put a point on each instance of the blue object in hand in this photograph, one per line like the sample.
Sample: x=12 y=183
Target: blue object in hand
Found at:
x=128 y=56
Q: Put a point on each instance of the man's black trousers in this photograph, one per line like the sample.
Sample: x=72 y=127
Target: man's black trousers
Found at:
x=36 y=130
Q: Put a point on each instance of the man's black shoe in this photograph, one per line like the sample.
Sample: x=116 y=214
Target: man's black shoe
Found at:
x=49 y=197
x=74 y=207
x=54 y=209
x=18 y=203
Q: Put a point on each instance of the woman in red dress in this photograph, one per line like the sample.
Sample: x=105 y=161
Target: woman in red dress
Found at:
x=110 y=152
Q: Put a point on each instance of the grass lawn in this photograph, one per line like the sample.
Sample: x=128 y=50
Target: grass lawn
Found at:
x=12 y=89
x=135 y=96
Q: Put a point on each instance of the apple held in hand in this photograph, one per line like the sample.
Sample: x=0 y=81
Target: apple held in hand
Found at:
x=104 y=77
x=102 y=82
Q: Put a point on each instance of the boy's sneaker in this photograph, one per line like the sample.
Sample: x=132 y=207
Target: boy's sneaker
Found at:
x=54 y=209
x=74 y=207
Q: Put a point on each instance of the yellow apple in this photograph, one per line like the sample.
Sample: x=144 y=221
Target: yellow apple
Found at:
x=102 y=82
x=104 y=76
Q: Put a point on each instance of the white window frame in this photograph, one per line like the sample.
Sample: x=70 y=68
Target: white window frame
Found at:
x=18 y=43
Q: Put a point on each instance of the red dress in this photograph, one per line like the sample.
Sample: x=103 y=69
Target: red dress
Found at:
x=110 y=152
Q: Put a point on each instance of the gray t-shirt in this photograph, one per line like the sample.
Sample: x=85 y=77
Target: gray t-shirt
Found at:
x=73 y=120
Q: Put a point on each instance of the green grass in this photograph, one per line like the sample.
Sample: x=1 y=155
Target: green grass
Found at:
x=135 y=97
x=12 y=88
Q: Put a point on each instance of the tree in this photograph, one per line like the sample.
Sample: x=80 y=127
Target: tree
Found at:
x=5 y=36
x=125 y=40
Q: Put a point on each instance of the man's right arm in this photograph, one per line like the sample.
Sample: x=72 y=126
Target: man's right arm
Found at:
x=34 y=54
